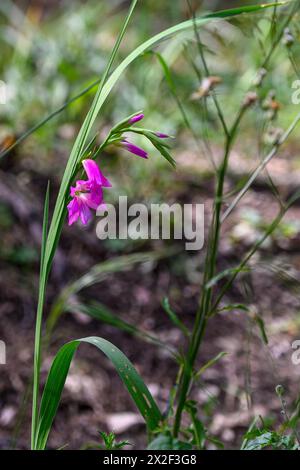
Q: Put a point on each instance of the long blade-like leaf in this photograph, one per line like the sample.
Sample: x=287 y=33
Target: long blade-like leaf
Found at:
x=101 y=312
x=58 y=374
x=38 y=324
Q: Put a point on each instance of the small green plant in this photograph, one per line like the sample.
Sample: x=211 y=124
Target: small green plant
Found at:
x=264 y=437
x=110 y=442
x=259 y=439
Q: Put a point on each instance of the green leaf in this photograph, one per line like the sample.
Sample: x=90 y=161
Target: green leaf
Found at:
x=230 y=307
x=227 y=272
x=45 y=223
x=197 y=428
x=58 y=374
x=110 y=442
x=105 y=87
x=96 y=274
x=258 y=439
x=173 y=317
x=38 y=323
x=172 y=87
x=103 y=90
x=261 y=325
x=210 y=363
x=162 y=150
x=167 y=442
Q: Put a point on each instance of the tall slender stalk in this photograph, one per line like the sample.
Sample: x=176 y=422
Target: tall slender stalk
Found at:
x=209 y=270
x=38 y=326
x=49 y=247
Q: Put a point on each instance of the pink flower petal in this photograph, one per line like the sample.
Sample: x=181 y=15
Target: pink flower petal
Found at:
x=94 y=173
x=85 y=213
x=94 y=198
x=73 y=210
x=81 y=186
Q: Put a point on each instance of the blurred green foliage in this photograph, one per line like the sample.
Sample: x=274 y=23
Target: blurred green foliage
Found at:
x=49 y=55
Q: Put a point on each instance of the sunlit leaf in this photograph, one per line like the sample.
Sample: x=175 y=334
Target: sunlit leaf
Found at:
x=58 y=374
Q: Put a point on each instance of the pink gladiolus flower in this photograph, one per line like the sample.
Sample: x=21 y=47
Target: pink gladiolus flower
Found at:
x=132 y=148
x=136 y=118
x=94 y=173
x=87 y=194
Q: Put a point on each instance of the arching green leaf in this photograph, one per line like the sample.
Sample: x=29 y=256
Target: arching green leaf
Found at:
x=58 y=374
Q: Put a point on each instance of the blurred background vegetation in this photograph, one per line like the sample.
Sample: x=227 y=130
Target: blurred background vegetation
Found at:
x=52 y=51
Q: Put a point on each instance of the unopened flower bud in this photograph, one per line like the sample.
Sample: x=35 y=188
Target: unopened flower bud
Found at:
x=138 y=117
x=250 y=99
x=207 y=85
x=279 y=390
x=132 y=148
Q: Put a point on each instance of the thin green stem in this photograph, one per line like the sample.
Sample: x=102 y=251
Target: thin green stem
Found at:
x=210 y=264
x=261 y=166
x=207 y=73
x=278 y=38
x=253 y=250
x=37 y=363
x=38 y=326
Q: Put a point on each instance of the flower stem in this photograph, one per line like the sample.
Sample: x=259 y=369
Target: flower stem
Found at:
x=38 y=324
x=37 y=364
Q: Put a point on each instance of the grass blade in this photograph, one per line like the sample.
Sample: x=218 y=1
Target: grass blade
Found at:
x=182 y=26
x=174 y=318
x=38 y=324
x=101 y=312
x=210 y=363
x=58 y=374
